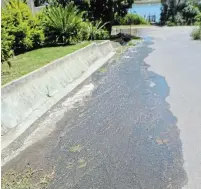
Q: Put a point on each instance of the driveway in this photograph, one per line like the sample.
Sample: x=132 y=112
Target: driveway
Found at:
x=134 y=124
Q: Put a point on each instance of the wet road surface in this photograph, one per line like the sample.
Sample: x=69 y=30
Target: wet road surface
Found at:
x=123 y=133
x=178 y=59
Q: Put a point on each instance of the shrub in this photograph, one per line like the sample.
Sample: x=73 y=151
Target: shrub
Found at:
x=96 y=30
x=189 y=13
x=20 y=30
x=132 y=19
x=93 y=31
x=170 y=23
x=179 y=19
x=62 y=24
x=198 y=19
x=180 y=14
x=101 y=34
x=6 y=46
x=198 y=5
x=84 y=33
x=196 y=33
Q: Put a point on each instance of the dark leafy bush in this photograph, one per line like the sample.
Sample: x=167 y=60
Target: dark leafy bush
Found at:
x=198 y=19
x=65 y=25
x=38 y=3
x=62 y=24
x=198 y=5
x=170 y=23
x=178 y=13
x=20 y=30
x=179 y=19
x=6 y=46
x=83 y=32
x=101 y=34
x=132 y=19
x=164 y=14
x=189 y=13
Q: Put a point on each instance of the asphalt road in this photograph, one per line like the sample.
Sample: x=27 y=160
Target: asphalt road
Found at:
x=135 y=124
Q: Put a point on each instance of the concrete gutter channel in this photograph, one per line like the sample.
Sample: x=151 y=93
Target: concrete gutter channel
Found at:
x=26 y=99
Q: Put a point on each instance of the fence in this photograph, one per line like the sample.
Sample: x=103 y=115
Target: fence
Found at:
x=150 y=18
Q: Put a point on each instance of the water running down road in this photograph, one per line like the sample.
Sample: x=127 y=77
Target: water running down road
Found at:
x=119 y=131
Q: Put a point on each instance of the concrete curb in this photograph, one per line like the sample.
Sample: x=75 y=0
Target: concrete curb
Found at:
x=29 y=97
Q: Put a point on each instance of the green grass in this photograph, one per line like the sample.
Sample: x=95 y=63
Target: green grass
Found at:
x=30 y=61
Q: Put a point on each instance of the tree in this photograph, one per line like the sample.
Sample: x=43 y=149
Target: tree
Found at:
x=103 y=10
x=174 y=9
x=106 y=9
x=169 y=9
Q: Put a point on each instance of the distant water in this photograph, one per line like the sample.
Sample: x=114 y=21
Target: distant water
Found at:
x=147 y=9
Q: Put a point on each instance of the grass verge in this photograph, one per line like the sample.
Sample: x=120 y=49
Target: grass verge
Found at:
x=30 y=61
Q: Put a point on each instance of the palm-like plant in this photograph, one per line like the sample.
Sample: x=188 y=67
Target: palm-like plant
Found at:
x=62 y=23
x=95 y=30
